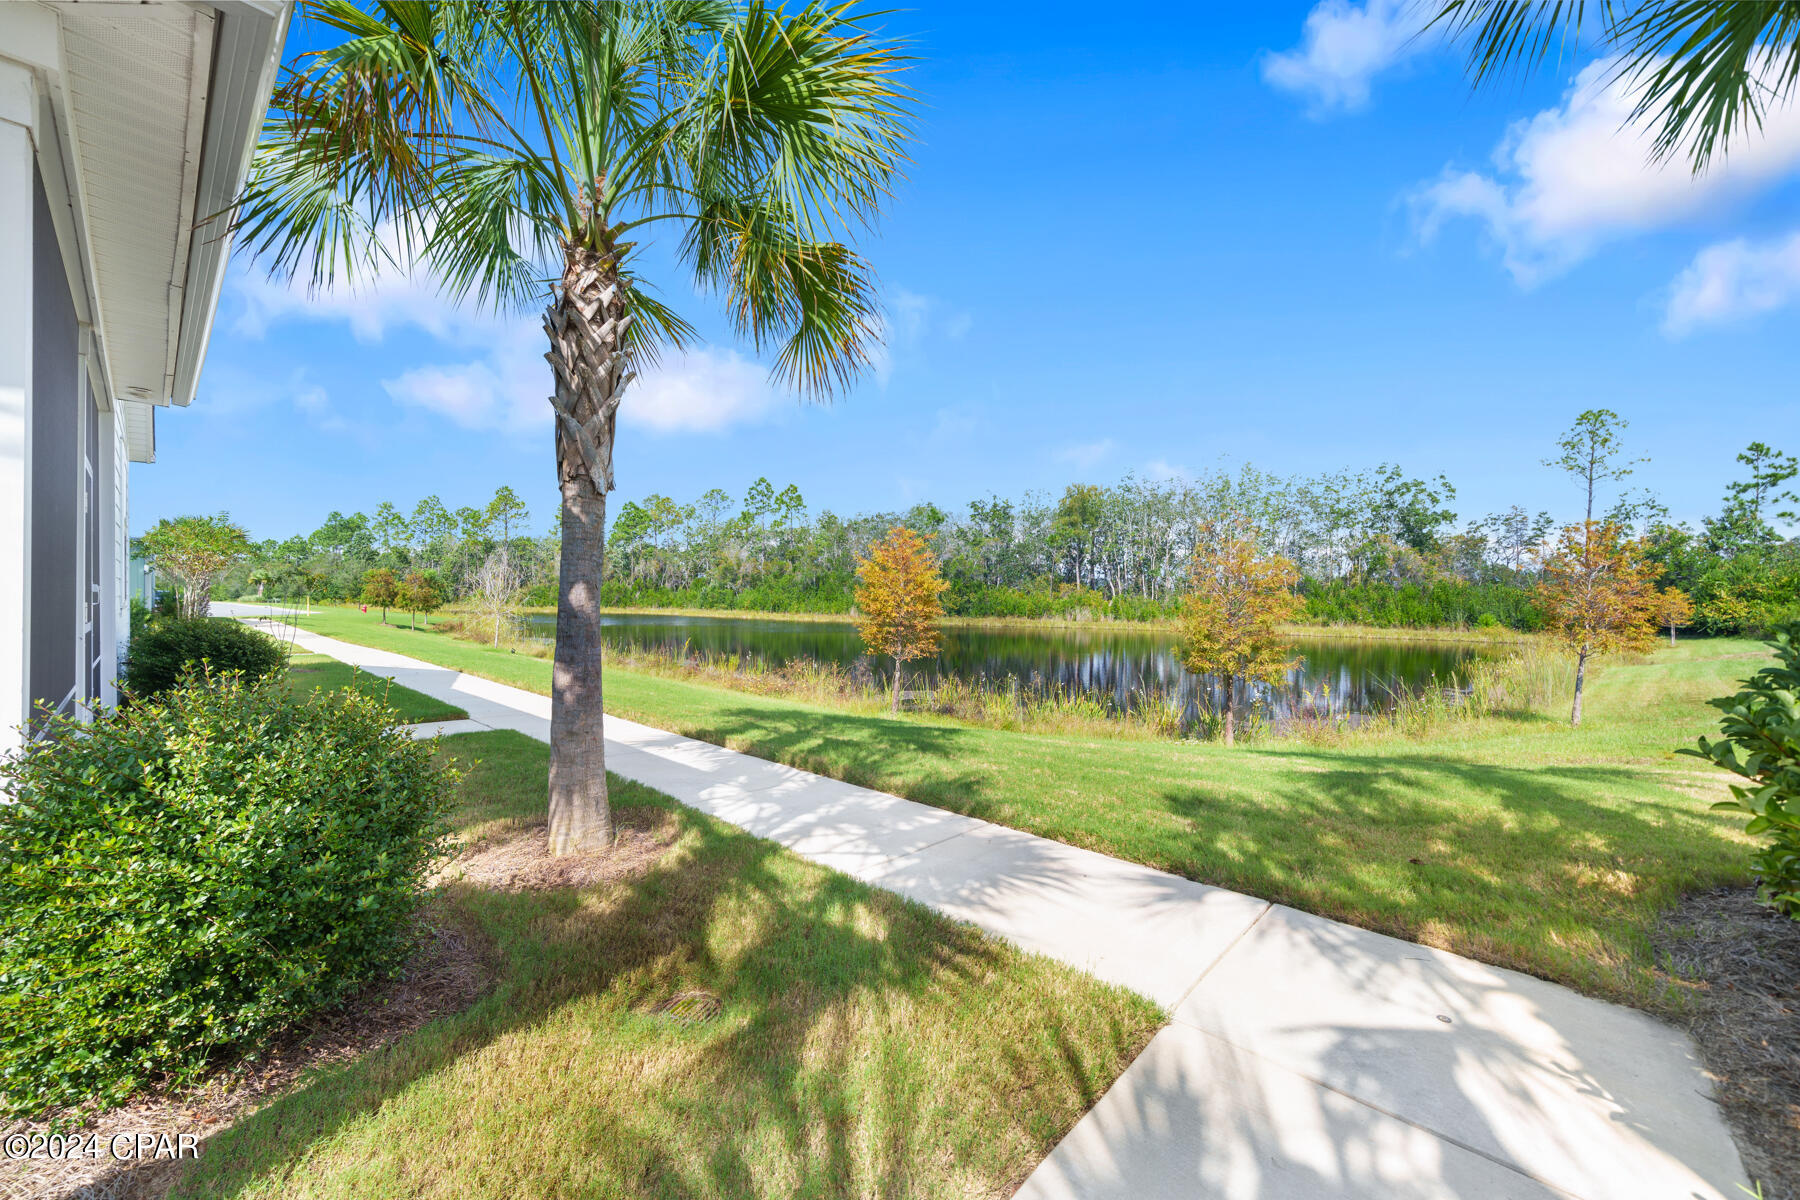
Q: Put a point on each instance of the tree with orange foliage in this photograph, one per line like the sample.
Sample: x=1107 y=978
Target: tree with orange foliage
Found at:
x=898 y=600
x=1673 y=608
x=1599 y=596
x=1231 y=619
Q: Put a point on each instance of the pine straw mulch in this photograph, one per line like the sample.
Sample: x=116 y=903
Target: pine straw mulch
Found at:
x=451 y=969
x=519 y=860
x=1744 y=962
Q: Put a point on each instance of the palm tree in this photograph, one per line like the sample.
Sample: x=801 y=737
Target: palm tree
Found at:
x=1701 y=69
x=522 y=149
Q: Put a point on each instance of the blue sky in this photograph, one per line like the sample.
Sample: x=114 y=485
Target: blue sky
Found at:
x=1131 y=242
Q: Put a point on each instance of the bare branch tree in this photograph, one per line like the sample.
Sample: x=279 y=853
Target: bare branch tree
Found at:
x=497 y=590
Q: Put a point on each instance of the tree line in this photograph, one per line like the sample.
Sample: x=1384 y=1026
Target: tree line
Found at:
x=1376 y=546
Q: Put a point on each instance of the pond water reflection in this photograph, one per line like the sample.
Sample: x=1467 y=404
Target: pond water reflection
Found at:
x=1117 y=666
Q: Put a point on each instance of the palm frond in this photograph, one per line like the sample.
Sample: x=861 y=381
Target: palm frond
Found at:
x=350 y=142
x=492 y=226
x=809 y=104
x=654 y=325
x=817 y=299
x=1700 y=71
x=482 y=139
x=1707 y=71
x=1505 y=36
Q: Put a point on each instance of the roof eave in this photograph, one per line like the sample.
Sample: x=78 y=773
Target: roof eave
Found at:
x=247 y=53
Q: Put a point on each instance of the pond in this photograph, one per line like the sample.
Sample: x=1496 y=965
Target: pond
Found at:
x=1119 y=667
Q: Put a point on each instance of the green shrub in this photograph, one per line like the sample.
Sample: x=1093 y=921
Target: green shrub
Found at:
x=1762 y=743
x=166 y=648
x=189 y=875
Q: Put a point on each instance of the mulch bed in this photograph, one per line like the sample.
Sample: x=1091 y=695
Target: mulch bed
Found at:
x=520 y=860
x=449 y=971
x=1743 y=961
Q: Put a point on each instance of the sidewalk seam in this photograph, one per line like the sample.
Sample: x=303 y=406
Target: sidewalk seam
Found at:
x=1208 y=970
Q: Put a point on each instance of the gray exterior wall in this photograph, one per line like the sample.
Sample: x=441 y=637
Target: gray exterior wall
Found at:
x=56 y=469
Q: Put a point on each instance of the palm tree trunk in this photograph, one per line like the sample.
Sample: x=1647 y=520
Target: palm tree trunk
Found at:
x=586 y=323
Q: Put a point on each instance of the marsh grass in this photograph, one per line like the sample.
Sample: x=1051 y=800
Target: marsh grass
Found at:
x=1533 y=675
x=850 y=1043
x=1525 y=684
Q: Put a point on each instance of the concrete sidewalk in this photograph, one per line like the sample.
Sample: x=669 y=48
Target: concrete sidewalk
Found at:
x=1305 y=1060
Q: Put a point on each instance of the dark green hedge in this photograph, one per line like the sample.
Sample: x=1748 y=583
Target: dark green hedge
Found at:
x=1762 y=743
x=167 y=647
x=191 y=874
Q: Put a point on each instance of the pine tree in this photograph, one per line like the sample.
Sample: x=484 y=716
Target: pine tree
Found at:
x=898 y=600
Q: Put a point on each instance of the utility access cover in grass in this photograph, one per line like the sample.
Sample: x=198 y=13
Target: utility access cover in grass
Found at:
x=690 y=1008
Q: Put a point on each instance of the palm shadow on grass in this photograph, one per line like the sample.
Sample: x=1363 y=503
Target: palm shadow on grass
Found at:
x=861 y=750
x=768 y=1098
x=1557 y=870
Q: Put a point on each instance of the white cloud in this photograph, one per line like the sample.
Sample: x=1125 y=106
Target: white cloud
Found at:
x=500 y=383
x=1729 y=281
x=230 y=391
x=911 y=318
x=505 y=389
x=1162 y=470
x=1576 y=176
x=1086 y=455
x=389 y=299
x=1343 y=46
x=701 y=391
x=910 y=311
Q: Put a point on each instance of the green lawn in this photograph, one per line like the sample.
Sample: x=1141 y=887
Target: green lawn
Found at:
x=866 y=1046
x=1520 y=842
x=307 y=672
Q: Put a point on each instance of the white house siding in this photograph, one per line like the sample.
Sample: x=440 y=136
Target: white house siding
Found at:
x=122 y=128
x=17 y=98
x=118 y=613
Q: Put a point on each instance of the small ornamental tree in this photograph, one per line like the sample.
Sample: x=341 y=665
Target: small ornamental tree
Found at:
x=899 y=600
x=194 y=551
x=1598 y=596
x=419 y=593
x=380 y=588
x=1231 y=620
x=1673 y=608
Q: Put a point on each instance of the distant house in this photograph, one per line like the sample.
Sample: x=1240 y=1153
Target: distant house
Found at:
x=122 y=128
x=140 y=582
